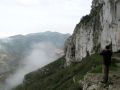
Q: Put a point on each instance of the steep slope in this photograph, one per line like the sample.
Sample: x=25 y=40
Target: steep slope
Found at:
x=96 y=30
x=56 y=76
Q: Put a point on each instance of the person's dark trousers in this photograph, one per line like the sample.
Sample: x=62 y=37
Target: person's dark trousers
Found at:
x=105 y=73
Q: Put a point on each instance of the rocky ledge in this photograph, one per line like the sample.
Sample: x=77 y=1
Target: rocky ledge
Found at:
x=92 y=81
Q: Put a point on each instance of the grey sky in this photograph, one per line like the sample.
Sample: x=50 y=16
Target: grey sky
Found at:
x=31 y=16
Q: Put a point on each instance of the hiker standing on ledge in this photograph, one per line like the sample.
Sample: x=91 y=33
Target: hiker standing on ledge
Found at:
x=107 y=54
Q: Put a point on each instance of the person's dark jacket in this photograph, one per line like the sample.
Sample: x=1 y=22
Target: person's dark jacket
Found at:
x=107 y=54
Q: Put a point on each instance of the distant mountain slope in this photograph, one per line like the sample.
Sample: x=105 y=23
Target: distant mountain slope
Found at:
x=15 y=48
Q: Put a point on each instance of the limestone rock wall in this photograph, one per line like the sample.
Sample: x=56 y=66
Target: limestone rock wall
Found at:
x=96 y=30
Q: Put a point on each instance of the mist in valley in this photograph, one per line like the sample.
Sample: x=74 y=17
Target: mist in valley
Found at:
x=39 y=55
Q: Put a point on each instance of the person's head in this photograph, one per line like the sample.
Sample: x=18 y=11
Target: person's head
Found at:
x=107 y=47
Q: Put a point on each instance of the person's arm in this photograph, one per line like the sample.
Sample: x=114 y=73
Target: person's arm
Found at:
x=111 y=53
x=101 y=53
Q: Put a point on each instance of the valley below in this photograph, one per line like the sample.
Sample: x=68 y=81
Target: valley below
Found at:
x=20 y=55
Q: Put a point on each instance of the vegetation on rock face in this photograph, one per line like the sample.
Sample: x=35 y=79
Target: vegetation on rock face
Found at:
x=85 y=19
x=94 y=12
x=56 y=77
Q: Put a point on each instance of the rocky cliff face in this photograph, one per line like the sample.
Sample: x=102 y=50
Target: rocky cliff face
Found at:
x=96 y=30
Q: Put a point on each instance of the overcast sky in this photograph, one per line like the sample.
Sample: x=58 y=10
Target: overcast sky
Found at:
x=32 y=16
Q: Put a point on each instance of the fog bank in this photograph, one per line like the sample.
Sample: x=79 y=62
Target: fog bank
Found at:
x=40 y=55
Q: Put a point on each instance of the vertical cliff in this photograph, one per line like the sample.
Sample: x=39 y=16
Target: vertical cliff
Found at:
x=96 y=30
